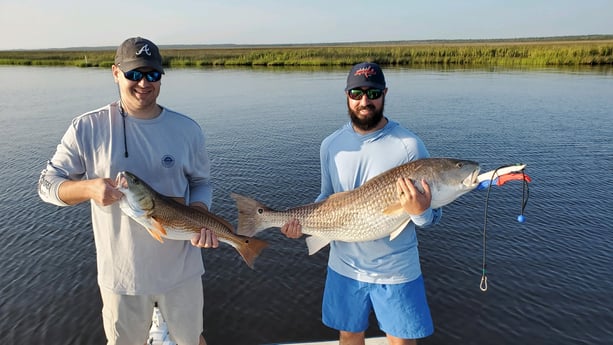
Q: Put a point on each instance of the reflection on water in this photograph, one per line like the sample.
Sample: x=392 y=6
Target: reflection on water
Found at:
x=549 y=278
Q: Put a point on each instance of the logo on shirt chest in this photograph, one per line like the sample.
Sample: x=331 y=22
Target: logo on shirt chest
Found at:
x=168 y=161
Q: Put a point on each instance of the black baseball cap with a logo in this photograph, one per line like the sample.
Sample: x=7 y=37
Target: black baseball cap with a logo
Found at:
x=138 y=52
x=365 y=74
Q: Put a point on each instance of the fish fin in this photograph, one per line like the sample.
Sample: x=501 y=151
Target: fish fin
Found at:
x=158 y=226
x=251 y=249
x=156 y=230
x=393 y=209
x=248 y=215
x=397 y=232
x=315 y=243
x=155 y=235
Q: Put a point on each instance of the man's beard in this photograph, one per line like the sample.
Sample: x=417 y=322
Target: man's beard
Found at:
x=370 y=122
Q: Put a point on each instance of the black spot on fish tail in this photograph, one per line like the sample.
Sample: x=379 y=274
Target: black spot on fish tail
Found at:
x=251 y=250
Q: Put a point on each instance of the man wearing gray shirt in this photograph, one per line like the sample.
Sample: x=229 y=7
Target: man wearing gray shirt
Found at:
x=167 y=150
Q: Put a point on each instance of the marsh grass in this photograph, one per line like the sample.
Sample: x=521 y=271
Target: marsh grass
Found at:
x=469 y=53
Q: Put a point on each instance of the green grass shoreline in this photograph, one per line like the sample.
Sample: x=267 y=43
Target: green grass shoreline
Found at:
x=596 y=50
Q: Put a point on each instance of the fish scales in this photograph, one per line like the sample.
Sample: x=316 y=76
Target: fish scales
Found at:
x=183 y=225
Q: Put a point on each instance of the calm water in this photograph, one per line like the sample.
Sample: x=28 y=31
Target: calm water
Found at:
x=550 y=279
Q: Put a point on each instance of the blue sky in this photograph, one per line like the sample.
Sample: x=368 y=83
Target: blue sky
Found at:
x=34 y=24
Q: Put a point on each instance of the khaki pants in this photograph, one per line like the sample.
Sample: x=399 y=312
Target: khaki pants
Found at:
x=127 y=319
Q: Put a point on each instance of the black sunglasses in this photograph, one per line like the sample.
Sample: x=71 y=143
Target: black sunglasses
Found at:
x=356 y=94
x=134 y=75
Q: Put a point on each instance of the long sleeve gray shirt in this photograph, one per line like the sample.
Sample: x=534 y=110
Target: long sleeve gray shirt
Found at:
x=168 y=153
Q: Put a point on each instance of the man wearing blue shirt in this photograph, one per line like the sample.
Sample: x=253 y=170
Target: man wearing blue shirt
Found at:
x=382 y=275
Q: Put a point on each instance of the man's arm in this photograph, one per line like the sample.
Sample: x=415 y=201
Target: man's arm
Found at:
x=101 y=190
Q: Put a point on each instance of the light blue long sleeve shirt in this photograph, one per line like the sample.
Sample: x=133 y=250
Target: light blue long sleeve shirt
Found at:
x=348 y=160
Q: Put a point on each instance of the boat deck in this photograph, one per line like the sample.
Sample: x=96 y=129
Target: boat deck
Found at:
x=369 y=341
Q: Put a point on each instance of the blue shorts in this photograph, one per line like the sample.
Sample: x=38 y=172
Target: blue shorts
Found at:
x=401 y=309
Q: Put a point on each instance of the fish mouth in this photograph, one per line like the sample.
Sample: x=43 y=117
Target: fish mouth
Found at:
x=472 y=180
x=121 y=181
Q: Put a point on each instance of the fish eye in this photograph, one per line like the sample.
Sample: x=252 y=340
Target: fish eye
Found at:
x=260 y=211
x=460 y=164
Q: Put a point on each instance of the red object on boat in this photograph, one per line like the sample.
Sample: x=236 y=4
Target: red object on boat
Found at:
x=516 y=176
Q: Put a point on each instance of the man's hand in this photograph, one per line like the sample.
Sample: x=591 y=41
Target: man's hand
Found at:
x=205 y=239
x=412 y=200
x=102 y=191
x=292 y=229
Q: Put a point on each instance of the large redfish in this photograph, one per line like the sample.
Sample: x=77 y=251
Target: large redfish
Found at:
x=164 y=217
x=369 y=212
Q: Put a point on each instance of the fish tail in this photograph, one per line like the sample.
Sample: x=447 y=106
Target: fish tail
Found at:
x=248 y=210
x=251 y=249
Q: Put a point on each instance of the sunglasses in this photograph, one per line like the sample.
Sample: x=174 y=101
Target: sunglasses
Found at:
x=134 y=75
x=356 y=94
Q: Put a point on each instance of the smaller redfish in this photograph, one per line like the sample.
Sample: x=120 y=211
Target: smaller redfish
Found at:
x=164 y=217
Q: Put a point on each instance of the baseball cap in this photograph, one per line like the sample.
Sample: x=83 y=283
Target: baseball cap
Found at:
x=137 y=52
x=365 y=74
